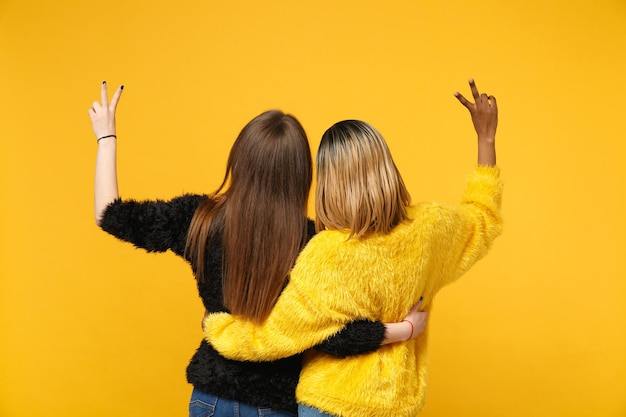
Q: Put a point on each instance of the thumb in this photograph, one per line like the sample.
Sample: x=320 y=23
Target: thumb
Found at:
x=416 y=307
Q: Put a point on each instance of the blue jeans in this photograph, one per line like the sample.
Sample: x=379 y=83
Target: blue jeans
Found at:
x=209 y=405
x=306 y=411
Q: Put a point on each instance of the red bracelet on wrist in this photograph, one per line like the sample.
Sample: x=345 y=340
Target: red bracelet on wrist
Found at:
x=412 y=328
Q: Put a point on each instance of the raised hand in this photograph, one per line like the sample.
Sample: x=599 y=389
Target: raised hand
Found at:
x=102 y=113
x=484 y=112
x=102 y=116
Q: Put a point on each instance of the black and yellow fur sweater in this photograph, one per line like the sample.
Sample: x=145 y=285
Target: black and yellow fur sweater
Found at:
x=378 y=276
x=159 y=226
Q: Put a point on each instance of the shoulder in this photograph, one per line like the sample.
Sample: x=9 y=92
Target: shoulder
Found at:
x=430 y=217
x=187 y=202
x=323 y=248
x=122 y=213
x=326 y=240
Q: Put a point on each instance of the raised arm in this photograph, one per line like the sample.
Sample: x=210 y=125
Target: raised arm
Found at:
x=484 y=112
x=155 y=225
x=478 y=220
x=102 y=116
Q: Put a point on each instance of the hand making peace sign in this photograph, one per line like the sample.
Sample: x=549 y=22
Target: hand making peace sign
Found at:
x=484 y=112
x=103 y=114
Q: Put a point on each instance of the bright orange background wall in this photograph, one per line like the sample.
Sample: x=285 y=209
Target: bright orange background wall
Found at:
x=91 y=326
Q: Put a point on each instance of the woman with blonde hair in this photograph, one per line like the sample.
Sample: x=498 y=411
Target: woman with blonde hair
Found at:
x=241 y=241
x=374 y=256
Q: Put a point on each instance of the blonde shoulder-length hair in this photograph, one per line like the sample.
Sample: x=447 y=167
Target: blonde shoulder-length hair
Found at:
x=359 y=188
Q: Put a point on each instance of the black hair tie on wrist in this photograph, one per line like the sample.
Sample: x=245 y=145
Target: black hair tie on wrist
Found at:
x=107 y=136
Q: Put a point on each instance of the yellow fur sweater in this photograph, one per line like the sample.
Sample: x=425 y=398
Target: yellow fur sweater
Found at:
x=379 y=277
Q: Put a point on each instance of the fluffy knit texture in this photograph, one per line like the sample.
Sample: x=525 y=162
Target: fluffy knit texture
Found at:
x=158 y=226
x=379 y=277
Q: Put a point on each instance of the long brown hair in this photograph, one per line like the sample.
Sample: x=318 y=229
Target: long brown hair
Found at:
x=261 y=217
x=359 y=187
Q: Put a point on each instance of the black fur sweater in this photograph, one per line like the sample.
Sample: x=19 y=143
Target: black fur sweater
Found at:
x=157 y=226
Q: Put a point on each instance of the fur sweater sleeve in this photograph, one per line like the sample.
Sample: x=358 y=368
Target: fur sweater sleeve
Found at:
x=456 y=237
x=355 y=338
x=155 y=226
x=294 y=326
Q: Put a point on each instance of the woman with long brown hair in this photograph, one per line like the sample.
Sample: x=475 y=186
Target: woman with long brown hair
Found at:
x=241 y=242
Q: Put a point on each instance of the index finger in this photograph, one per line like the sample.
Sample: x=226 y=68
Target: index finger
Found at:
x=104 y=98
x=463 y=100
x=116 y=97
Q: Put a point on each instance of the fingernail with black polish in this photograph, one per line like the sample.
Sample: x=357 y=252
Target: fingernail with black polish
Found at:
x=104 y=82
x=121 y=87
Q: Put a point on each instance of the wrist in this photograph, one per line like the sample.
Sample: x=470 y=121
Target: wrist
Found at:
x=487 y=139
x=410 y=328
x=486 y=152
x=106 y=138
